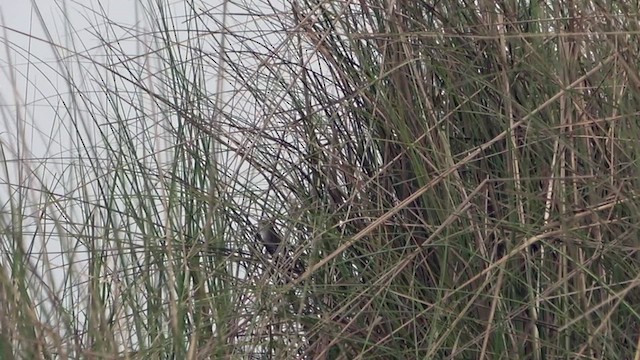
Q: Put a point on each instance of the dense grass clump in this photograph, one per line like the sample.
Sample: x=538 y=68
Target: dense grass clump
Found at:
x=459 y=180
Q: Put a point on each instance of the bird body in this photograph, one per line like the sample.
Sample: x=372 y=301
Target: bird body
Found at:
x=272 y=243
x=270 y=240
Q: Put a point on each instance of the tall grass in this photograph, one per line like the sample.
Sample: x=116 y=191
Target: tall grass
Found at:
x=459 y=179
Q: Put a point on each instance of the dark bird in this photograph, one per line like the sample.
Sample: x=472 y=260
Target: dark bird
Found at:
x=270 y=240
x=272 y=243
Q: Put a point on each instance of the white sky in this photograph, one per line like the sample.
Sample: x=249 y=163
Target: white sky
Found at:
x=34 y=124
x=37 y=135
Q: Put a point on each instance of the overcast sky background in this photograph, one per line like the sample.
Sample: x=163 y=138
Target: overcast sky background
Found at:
x=43 y=42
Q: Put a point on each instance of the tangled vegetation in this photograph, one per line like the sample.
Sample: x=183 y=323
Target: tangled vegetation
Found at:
x=458 y=178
